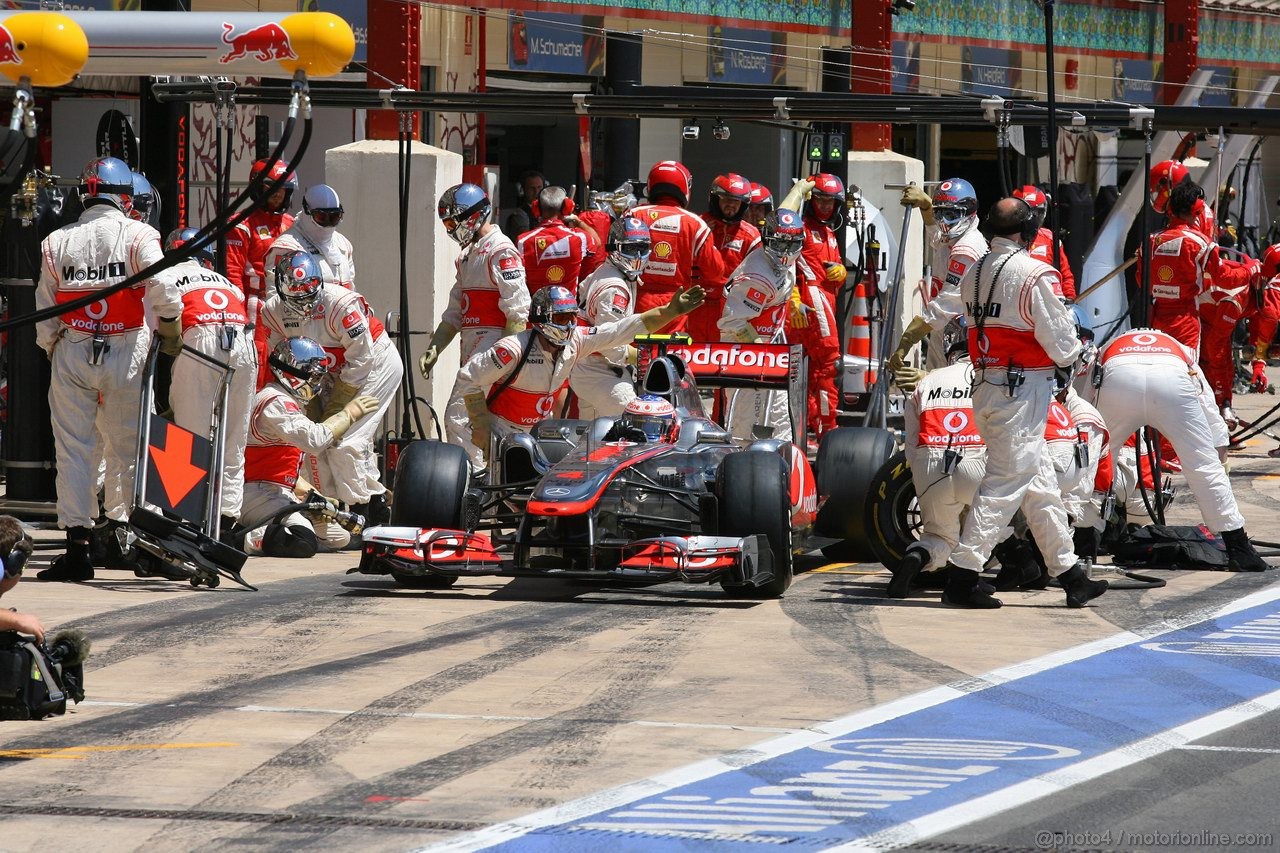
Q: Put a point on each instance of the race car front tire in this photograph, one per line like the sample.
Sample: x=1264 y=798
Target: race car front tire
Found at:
x=755 y=499
x=431 y=481
x=848 y=460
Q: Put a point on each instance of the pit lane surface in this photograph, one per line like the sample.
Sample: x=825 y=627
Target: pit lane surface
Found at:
x=341 y=712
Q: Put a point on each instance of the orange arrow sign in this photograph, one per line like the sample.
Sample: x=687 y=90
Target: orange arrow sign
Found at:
x=177 y=474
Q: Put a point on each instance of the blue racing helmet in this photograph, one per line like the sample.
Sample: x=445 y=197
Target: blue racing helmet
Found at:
x=300 y=365
x=180 y=237
x=464 y=209
x=145 y=204
x=107 y=180
x=628 y=246
x=553 y=311
x=955 y=207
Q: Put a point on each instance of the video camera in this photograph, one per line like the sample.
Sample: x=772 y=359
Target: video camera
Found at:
x=37 y=679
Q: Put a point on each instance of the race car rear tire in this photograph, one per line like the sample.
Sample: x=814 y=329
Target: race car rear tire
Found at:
x=893 y=512
x=755 y=498
x=848 y=460
x=431 y=480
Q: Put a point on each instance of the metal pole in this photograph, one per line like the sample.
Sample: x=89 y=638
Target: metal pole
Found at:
x=878 y=406
x=1144 y=313
x=1051 y=76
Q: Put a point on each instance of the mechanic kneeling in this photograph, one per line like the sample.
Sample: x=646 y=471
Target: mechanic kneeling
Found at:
x=514 y=385
x=279 y=433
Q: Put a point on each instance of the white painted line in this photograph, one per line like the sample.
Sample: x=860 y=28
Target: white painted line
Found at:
x=1230 y=749
x=657 y=784
x=972 y=811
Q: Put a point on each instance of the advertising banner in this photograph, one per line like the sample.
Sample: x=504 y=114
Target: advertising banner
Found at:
x=557 y=44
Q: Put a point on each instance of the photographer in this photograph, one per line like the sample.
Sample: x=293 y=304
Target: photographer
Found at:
x=15 y=547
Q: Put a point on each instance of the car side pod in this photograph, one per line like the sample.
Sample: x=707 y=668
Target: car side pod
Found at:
x=421 y=551
x=745 y=561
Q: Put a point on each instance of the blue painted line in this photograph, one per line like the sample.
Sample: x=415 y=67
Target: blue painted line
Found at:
x=891 y=773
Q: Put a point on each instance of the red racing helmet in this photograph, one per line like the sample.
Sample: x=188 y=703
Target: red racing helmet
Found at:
x=281 y=169
x=1271 y=262
x=1165 y=175
x=730 y=187
x=670 y=178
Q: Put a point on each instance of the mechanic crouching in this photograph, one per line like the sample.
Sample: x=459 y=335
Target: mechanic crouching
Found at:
x=1020 y=332
x=279 y=433
x=516 y=383
x=15 y=548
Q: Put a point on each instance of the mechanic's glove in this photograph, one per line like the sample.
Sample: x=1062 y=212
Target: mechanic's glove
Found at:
x=339 y=395
x=743 y=334
x=795 y=198
x=440 y=339
x=1259 y=380
x=515 y=327
x=341 y=422
x=684 y=301
x=907 y=378
x=915 y=332
x=914 y=196
x=170 y=331
x=797 y=311
x=836 y=272
x=481 y=420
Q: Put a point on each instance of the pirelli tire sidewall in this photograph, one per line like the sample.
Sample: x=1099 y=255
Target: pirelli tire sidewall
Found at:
x=889 y=520
x=849 y=458
x=431 y=482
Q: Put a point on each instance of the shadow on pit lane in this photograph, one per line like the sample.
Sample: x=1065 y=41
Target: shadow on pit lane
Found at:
x=862 y=593
x=537 y=589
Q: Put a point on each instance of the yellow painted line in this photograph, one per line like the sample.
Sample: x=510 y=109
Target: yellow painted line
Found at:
x=75 y=752
x=844 y=569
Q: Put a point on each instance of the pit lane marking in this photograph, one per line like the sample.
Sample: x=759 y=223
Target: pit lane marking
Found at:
x=845 y=569
x=75 y=753
x=423 y=715
x=586 y=822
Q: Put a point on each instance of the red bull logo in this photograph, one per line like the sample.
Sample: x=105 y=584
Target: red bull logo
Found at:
x=264 y=43
x=8 y=48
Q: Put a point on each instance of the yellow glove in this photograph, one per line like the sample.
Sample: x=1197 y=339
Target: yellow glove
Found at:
x=836 y=271
x=795 y=198
x=170 y=332
x=744 y=334
x=907 y=378
x=481 y=420
x=915 y=197
x=341 y=422
x=340 y=395
x=516 y=326
x=915 y=332
x=440 y=339
x=797 y=310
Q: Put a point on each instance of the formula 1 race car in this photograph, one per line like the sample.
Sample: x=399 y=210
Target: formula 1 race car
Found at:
x=572 y=499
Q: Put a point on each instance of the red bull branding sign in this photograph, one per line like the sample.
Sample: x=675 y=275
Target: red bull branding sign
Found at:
x=265 y=43
x=8 y=48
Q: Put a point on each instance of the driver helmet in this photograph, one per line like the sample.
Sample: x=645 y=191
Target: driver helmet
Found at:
x=145 y=204
x=955 y=207
x=107 y=180
x=464 y=209
x=258 y=191
x=1036 y=200
x=782 y=237
x=651 y=415
x=956 y=338
x=299 y=281
x=1165 y=175
x=180 y=237
x=628 y=246
x=729 y=187
x=553 y=312
x=300 y=365
x=322 y=204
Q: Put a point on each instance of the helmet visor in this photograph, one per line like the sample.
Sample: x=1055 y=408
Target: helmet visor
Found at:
x=327 y=217
x=655 y=428
x=784 y=249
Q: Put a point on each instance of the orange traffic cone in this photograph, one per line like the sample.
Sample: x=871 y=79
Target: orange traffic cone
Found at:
x=859 y=344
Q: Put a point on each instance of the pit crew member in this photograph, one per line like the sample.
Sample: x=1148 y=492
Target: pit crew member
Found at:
x=602 y=381
x=316 y=231
x=760 y=206
x=1042 y=248
x=553 y=252
x=822 y=253
x=98 y=351
x=734 y=237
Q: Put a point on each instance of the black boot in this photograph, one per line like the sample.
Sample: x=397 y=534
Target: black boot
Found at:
x=1086 y=541
x=1039 y=579
x=75 y=565
x=914 y=560
x=1017 y=564
x=1080 y=589
x=965 y=590
x=379 y=512
x=1241 y=556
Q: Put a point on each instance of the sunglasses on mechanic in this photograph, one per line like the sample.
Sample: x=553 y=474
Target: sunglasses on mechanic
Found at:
x=327 y=217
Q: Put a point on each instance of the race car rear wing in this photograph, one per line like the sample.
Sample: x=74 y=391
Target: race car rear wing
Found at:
x=728 y=365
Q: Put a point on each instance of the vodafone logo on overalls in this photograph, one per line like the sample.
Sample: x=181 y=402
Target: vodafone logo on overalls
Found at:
x=330 y=361
x=1060 y=415
x=97 y=310
x=955 y=422
x=215 y=300
x=1146 y=339
x=546 y=405
x=465 y=304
